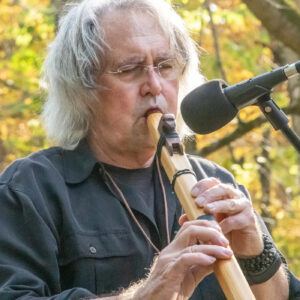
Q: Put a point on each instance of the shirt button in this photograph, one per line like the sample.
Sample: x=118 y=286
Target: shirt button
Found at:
x=93 y=250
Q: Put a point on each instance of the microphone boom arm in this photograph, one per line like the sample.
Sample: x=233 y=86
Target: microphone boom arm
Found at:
x=278 y=119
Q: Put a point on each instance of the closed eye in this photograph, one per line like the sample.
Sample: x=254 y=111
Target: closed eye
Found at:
x=167 y=64
x=130 y=69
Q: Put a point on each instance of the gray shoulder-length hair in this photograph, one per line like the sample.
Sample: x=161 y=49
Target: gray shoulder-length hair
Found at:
x=77 y=57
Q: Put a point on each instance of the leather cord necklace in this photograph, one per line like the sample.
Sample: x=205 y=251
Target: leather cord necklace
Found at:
x=131 y=212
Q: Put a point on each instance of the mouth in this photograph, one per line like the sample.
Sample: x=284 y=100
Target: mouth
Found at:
x=152 y=111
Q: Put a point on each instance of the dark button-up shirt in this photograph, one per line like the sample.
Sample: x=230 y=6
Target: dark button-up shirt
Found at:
x=65 y=233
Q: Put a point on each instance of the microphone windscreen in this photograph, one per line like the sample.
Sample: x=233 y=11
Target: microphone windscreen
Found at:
x=207 y=109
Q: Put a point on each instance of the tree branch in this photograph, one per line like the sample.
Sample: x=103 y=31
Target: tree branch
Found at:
x=9 y=85
x=280 y=19
x=241 y=130
x=215 y=39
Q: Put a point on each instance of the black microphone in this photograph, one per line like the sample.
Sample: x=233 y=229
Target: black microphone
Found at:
x=213 y=104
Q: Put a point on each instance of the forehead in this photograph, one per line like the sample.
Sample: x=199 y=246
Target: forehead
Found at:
x=135 y=34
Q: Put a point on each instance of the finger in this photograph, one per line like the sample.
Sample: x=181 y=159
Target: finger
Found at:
x=203 y=185
x=196 y=258
x=238 y=222
x=200 y=255
x=199 y=272
x=205 y=223
x=199 y=234
x=215 y=251
x=183 y=219
x=177 y=269
x=228 y=206
x=190 y=260
x=218 y=192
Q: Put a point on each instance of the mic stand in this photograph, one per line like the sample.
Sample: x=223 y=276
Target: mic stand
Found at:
x=278 y=119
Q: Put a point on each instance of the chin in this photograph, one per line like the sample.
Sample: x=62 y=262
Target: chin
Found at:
x=148 y=145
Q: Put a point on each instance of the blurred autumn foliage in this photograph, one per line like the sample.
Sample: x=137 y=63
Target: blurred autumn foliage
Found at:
x=26 y=27
x=234 y=45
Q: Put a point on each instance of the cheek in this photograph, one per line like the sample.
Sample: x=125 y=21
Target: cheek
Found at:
x=171 y=95
x=117 y=110
x=117 y=99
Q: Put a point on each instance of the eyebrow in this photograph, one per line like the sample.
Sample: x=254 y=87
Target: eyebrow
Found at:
x=138 y=59
x=128 y=61
x=163 y=56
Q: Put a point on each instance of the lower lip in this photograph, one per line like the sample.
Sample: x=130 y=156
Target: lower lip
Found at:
x=152 y=111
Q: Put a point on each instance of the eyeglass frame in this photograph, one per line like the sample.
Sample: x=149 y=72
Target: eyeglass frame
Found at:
x=146 y=68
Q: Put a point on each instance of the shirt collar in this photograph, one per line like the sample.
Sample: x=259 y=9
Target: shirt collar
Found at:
x=78 y=163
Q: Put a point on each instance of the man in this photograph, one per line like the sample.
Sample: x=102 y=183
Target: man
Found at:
x=87 y=218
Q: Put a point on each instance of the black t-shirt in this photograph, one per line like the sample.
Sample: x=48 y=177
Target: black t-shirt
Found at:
x=145 y=183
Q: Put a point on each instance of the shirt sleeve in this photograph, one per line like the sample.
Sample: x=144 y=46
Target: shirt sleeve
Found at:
x=29 y=251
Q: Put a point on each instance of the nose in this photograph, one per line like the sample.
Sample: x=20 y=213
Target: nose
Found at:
x=152 y=83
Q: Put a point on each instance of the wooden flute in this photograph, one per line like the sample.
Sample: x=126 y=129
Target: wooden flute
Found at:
x=228 y=272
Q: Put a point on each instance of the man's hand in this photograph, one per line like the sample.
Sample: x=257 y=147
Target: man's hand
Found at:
x=185 y=262
x=233 y=212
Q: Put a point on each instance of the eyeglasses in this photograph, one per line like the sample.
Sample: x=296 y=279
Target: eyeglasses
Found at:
x=168 y=69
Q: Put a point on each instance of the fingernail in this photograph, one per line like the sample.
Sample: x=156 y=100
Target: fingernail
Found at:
x=224 y=241
x=227 y=252
x=195 y=191
x=217 y=227
x=200 y=201
x=212 y=259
